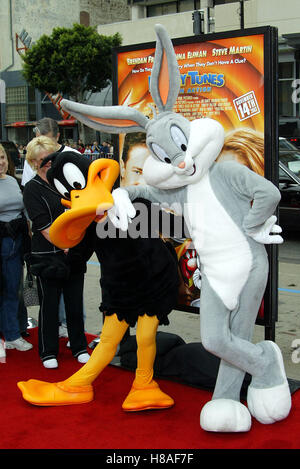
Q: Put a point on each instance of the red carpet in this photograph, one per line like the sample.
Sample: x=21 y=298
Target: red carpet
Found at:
x=102 y=424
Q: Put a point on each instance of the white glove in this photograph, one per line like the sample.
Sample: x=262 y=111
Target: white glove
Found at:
x=263 y=234
x=122 y=211
x=197 y=278
x=197 y=275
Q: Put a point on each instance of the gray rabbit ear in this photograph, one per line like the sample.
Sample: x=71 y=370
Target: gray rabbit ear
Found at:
x=110 y=119
x=165 y=75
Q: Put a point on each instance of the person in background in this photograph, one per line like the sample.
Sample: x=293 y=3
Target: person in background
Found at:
x=80 y=148
x=88 y=152
x=49 y=128
x=88 y=149
x=14 y=239
x=20 y=148
x=95 y=147
x=57 y=272
x=104 y=149
x=22 y=315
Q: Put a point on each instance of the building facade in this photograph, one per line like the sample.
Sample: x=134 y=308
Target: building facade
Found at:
x=225 y=15
x=23 y=21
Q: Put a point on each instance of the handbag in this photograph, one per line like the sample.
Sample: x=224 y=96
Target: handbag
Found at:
x=30 y=291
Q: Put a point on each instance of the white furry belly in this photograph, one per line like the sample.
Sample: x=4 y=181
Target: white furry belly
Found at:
x=224 y=252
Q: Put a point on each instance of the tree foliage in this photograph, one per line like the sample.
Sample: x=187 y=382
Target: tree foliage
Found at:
x=71 y=61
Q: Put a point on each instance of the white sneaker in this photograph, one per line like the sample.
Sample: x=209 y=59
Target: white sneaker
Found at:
x=20 y=344
x=2 y=352
x=51 y=363
x=83 y=357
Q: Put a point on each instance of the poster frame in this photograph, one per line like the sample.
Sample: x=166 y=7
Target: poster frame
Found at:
x=270 y=35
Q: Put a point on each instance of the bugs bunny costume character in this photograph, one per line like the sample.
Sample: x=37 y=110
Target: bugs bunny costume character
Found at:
x=229 y=211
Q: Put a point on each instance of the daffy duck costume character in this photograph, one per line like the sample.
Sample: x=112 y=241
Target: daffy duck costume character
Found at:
x=139 y=285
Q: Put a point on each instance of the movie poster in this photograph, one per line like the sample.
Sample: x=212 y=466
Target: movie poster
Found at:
x=222 y=77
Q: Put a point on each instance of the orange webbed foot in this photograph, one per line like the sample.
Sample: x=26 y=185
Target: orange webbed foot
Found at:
x=41 y=393
x=146 y=397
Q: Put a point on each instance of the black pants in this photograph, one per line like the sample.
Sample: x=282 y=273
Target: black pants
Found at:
x=49 y=294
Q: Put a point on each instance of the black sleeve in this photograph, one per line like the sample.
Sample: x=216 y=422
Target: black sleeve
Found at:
x=37 y=207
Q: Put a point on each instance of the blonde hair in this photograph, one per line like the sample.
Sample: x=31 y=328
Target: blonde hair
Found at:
x=37 y=145
x=248 y=146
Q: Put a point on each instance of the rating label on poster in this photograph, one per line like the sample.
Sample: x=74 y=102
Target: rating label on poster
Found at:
x=246 y=106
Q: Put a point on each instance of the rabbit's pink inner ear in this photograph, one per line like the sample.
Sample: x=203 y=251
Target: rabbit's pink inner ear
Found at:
x=163 y=82
x=114 y=122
